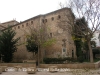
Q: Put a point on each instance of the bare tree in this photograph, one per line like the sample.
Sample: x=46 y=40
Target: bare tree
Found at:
x=90 y=10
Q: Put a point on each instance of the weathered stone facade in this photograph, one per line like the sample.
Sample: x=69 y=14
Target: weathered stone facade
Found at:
x=6 y=24
x=56 y=27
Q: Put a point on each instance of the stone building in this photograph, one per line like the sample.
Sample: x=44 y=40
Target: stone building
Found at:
x=57 y=24
x=8 y=23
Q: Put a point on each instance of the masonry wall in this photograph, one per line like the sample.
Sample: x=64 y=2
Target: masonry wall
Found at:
x=9 y=23
x=54 y=27
x=22 y=30
x=59 y=33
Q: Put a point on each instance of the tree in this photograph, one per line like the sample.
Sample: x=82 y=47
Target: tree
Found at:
x=78 y=39
x=78 y=44
x=37 y=39
x=31 y=44
x=89 y=9
x=8 y=44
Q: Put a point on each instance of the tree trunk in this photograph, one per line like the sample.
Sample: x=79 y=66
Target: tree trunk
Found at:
x=38 y=55
x=90 y=50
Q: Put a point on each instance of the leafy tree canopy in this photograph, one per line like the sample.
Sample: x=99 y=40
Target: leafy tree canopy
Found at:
x=8 y=44
x=31 y=45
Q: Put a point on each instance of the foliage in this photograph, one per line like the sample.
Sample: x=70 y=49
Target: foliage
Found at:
x=81 y=41
x=80 y=59
x=78 y=39
x=31 y=45
x=36 y=39
x=78 y=44
x=49 y=42
x=81 y=27
x=8 y=44
x=58 y=60
x=95 y=51
x=93 y=44
x=88 y=10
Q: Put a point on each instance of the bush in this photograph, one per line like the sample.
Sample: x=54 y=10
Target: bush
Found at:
x=57 y=60
x=80 y=59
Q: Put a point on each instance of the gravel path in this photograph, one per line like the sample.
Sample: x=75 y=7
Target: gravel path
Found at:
x=71 y=72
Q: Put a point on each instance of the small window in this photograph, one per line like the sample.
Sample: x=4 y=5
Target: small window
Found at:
x=22 y=26
x=52 y=18
x=18 y=27
x=72 y=53
x=64 y=49
x=50 y=34
x=31 y=22
x=43 y=20
x=26 y=24
x=59 y=16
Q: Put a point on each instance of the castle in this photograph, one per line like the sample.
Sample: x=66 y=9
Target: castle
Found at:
x=56 y=26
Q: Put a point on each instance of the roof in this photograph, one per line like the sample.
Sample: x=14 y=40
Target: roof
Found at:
x=57 y=11
x=10 y=21
x=37 y=16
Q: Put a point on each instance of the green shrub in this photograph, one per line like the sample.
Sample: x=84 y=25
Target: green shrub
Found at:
x=80 y=59
x=57 y=60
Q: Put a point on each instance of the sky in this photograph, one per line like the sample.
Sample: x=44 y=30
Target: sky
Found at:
x=21 y=10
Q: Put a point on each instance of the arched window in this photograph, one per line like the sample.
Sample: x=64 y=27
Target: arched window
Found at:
x=26 y=24
x=58 y=17
x=31 y=22
x=52 y=18
x=51 y=35
x=22 y=26
x=18 y=27
x=72 y=53
x=45 y=20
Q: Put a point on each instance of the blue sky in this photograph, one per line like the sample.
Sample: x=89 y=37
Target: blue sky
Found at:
x=25 y=9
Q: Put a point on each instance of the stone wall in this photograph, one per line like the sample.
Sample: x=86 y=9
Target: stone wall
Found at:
x=18 y=64
x=72 y=66
x=54 y=28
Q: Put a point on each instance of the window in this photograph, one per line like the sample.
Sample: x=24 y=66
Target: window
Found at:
x=52 y=18
x=64 y=49
x=31 y=22
x=72 y=53
x=26 y=24
x=18 y=27
x=59 y=16
x=45 y=20
x=50 y=34
x=22 y=26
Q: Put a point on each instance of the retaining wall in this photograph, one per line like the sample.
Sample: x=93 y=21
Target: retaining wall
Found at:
x=73 y=66
x=18 y=64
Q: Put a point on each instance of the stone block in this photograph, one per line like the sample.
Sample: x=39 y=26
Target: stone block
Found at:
x=53 y=68
x=3 y=68
x=17 y=68
x=31 y=70
x=0 y=70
